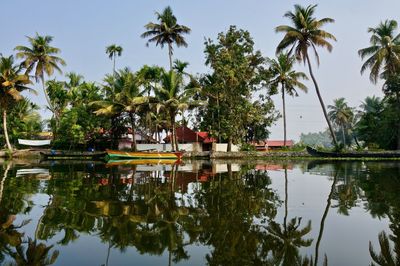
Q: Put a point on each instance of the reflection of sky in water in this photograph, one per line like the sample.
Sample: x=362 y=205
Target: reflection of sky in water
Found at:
x=345 y=238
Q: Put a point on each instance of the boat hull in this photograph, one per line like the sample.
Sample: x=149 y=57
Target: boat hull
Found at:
x=112 y=155
x=387 y=154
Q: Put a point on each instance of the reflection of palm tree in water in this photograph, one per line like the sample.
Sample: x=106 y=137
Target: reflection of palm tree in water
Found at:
x=386 y=256
x=322 y=226
x=289 y=237
x=8 y=166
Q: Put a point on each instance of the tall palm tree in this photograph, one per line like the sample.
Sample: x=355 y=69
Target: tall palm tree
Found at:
x=113 y=51
x=173 y=96
x=283 y=74
x=306 y=32
x=384 y=53
x=166 y=32
x=12 y=83
x=41 y=56
x=341 y=115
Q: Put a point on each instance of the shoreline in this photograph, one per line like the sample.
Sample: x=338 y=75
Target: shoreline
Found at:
x=209 y=155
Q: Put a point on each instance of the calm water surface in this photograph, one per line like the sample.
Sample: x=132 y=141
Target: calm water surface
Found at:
x=199 y=213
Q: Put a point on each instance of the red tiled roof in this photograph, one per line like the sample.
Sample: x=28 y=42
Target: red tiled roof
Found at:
x=279 y=143
x=185 y=134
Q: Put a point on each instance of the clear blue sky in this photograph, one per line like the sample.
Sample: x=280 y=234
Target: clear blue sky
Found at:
x=82 y=29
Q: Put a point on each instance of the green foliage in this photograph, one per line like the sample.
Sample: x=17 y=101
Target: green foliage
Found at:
x=319 y=139
x=237 y=71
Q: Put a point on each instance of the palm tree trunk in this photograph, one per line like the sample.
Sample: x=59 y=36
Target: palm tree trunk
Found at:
x=4 y=180
x=172 y=132
x=114 y=66
x=5 y=130
x=398 y=123
x=322 y=226
x=229 y=149
x=286 y=200
x=284 y=115
x=48 y=99
x=133 y=125
x=170 y=55
x=320 y=100
x=343 y=136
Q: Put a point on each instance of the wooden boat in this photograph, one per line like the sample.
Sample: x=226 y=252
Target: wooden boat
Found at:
x=72 y=155
x=29 y=142
x=363 y=154
x=142 y=162
x=112 y=154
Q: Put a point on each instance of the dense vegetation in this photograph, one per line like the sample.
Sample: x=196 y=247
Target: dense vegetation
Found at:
x=153 y=101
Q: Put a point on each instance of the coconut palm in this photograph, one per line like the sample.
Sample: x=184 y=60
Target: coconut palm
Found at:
x=166 y=32
x=306 y=32
x=41 y=56
x=341 y=115
x=113 y=51
x=283 y=74
x=386 y=256
x=128 y=98
x=173 y=96
x=12 y=83
x=383 y=56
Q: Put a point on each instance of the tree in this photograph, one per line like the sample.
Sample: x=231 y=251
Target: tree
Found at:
x=341 y=115
x=12 y=83
x=237 y=71
x=126 y=97
x=41 y=56
x=384 y=60
x=304 y=33
x=166 y=32
x=113 y=51
x=384 y=53
x=282 y=74
x=173 y=96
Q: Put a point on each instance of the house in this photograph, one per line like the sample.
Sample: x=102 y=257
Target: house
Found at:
x=187 y=135
x=278 y=144
x=126 y=141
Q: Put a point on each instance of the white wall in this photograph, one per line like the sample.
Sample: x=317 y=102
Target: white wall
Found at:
x=167 y=147
x=223 y=147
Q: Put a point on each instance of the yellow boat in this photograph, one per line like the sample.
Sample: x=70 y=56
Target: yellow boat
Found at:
x=113 y=155
x=142 y=162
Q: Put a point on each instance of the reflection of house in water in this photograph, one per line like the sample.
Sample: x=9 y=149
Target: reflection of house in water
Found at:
x=273 y=167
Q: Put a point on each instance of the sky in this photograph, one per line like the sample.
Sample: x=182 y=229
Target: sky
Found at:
x=83 y=28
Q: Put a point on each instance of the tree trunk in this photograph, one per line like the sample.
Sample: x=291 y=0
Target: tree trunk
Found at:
x=4 y=180
x=5 y=130
x=322 y=226
x=284 y=115
x=48 y=99
x=133 y=125
x=173 y=132
x=170 y=55
x=114 y=65
x=321 y=101
x=229 y=149
x=398 y=122
x=286 y=200
x=343 y=136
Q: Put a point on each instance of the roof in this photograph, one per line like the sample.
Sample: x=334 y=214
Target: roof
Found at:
x=279 y=143
x=185 y=134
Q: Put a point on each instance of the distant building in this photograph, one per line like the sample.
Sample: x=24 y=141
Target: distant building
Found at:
x=278 y=144
x=187 y=135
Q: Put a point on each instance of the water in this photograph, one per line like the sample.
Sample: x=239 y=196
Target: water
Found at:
x=199 y=213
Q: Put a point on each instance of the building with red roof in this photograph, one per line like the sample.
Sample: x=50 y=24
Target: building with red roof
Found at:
x=187 y=135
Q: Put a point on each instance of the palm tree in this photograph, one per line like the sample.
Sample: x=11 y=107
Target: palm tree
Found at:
x=283 y=74
x=113 y=51
x=12 y=83
x=384 y=58
x=304 y=33
x=384 y=52
x=167 y=32
x=173 y=96
x=341 y=115
x=386 y=256
x=127 y=98
x=41 y=56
